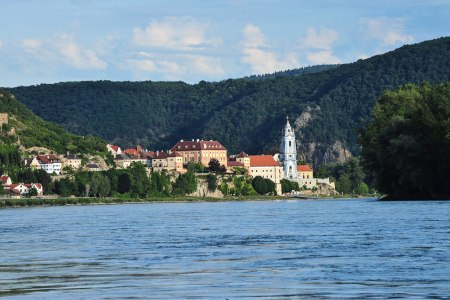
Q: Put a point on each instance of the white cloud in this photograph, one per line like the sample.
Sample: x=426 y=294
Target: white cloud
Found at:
x=175 y=64
x=253 y=37
x=322 y=39
x=322 y=57
x=389 y=31
x=319 y=44
x=62 y=50
x=183 y=34
x=258 y=54
x=76 y=56
x=31 y=44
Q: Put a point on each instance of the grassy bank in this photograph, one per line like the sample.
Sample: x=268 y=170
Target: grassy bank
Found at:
x=29 y=202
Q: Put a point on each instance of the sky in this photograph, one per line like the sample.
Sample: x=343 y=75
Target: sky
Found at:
x=48 y=41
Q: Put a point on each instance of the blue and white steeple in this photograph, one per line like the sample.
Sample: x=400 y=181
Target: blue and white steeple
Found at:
x=288 y=149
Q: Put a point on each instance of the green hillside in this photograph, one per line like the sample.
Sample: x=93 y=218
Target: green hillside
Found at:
x=28 y=130
x=243 y=114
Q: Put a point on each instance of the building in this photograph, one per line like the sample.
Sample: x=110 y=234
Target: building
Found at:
x=93 y=167
x=201 y=151
x=32 y=163
x=244 y=159
x=302 y=174
x=266 y=167
x=175 y=162
x=23 y=189
x=71 y=161
x=50 y=163
x=113 y=149
x=288 y=152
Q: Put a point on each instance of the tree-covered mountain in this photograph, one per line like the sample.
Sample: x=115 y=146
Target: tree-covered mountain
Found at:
x=325 y=106
x=26 y=129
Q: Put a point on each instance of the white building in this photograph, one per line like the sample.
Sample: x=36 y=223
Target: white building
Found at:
x=302 y=174
x=288 y=152
x=266 y=167
x=50 y=163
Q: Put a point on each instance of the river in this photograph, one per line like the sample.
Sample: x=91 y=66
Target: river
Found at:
x=226 y=250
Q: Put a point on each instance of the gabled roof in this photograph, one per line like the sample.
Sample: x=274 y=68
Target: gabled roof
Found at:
x=131 y=151
x=93 y=166
x=71 y=156
x=242 y=155
x=175 y=154
x=160 y=155
x=114 y=147
x=48 y=159
x=197 y=145
x=263 y=161
x=304 y=168
x=5 y=178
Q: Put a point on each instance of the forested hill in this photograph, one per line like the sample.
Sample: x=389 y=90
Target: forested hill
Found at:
x=242 y=114
x=26 y=129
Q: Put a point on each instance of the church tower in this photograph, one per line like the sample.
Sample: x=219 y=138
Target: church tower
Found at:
x=288 y=155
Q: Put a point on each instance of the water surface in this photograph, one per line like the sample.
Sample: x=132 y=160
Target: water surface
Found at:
x=271 y=249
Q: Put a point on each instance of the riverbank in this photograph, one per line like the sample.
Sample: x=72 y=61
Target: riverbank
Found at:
x=32 y=202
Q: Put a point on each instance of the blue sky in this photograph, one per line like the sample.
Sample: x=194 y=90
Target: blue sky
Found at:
x=47 y=41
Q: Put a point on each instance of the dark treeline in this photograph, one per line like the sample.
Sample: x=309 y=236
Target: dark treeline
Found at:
x=243 y=114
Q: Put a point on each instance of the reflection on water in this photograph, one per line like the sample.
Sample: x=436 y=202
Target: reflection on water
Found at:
x=274 y=249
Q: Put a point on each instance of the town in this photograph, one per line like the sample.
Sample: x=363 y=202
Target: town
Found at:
x=281 y=169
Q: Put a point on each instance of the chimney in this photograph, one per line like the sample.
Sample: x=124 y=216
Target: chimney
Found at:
x=181 y=141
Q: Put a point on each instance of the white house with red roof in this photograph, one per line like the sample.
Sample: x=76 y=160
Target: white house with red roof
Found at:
x=23 y=189
x=113 y=149
x=50 y=163
x=267 y=167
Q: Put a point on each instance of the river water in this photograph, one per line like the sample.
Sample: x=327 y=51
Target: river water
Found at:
x=227 y=250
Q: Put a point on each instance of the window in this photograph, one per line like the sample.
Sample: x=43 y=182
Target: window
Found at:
x=290 y=144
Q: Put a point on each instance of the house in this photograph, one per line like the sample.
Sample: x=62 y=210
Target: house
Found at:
x=113 y=149
x=232 y=165
x=6 y=180
x=92 y=167
x=71 y=161
x=32 y=163
x=23 y=189
x=50 y=163
x=244 y=159
x=304 y=172
x=266 y=167
x=175 y=162
x=201 y=151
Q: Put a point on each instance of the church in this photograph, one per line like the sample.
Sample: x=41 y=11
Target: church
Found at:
x=303 y=174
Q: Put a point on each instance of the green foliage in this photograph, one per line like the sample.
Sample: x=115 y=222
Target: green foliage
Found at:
x=243 y=114
x=195 y=167
x=348 y=176
x=124 y=183
x=211 y=179
x=185 y=184
x=214 y=166
x=406 y=146
x=32 y=192
x=263 y=185
x=141 y=184
x=288 y=186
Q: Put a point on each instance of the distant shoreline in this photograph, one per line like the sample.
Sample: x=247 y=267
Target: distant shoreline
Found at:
x=36 y=202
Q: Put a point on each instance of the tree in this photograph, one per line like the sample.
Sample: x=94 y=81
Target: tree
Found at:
x=214 y=166
x=211 y=179
x=260 y=185
x=185 y=184
x=195 y=167
x=140 y=182
x=44 y=178
x=406 y=146
x=32 y=192
x=124 y=183
x=104 y=187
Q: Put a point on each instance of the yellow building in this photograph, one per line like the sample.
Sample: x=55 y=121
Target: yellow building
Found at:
x=201 y=151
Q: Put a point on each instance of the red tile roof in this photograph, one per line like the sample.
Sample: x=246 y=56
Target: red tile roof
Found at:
x=304 y=168
x=130 y=151
x=233 y=163
x=114 y=147
x=4 y=179
x=263 y=161
x=160 y=155
x=48 y=159
x=197 y=145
